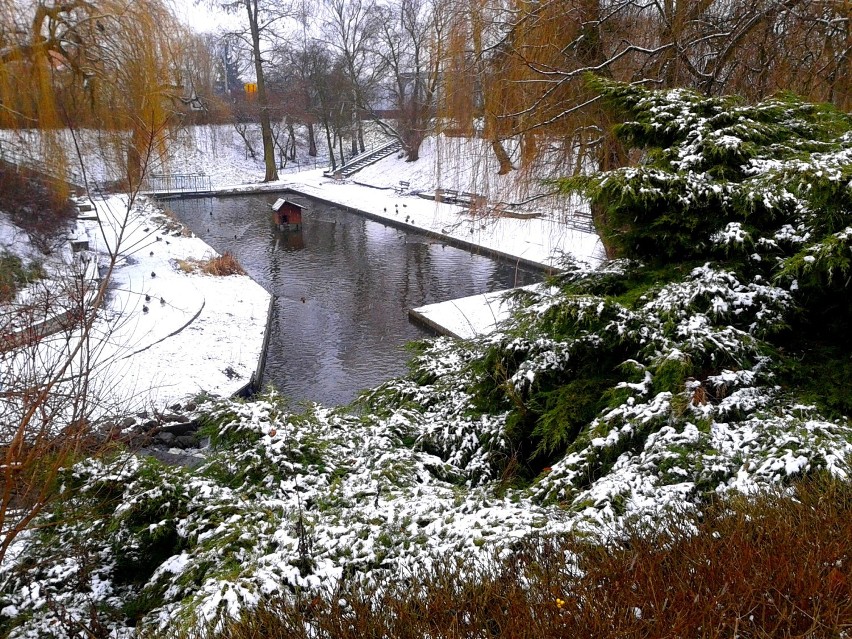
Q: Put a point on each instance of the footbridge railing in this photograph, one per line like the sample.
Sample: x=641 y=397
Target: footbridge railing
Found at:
x=179 y=183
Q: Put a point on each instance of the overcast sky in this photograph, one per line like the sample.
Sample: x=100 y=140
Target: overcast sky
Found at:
x=203 y=17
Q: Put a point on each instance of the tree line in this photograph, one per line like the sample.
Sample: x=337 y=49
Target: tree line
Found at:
x=509 y=71
x=513 y=69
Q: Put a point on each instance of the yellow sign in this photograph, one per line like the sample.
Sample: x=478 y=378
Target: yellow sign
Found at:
x=251 y=88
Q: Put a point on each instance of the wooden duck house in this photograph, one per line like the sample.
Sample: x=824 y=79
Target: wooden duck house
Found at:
x=287 y=215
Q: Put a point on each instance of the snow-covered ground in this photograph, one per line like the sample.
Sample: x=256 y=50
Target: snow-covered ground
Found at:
x=175 y=333
x=467 y=317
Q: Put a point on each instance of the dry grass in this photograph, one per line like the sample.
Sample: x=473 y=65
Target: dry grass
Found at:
x=187 y=266
x=774 y=566
x=223 y=265
x=220 y=266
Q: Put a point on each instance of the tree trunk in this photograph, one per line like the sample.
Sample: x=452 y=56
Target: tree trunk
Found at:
x=292 y=141
x=330 y=145
x=140 y=145
x=340 y=146
x=491 y=130
x=262 y=101
x=312 y=141
x=242 y=130
x=502 y=157
x=412 y=148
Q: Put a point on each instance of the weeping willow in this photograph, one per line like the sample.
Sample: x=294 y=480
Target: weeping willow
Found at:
x=107 y=73
x=515 y=70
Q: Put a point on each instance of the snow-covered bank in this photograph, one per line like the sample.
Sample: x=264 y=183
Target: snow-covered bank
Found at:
x=175 y=331
x=468 y=317
x=165 y=330
x=540 y=240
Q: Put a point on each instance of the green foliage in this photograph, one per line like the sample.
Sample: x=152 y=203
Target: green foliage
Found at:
x=564 y=412
x=146 y=529
x=14 y=274
x=712 y=161
x=671 y=374
x=215 y=426
x=820 y=372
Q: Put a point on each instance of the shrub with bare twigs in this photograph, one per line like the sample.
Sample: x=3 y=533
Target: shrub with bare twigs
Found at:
x=775 y=565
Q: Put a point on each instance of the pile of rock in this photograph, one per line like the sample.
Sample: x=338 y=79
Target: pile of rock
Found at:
x=170 y=435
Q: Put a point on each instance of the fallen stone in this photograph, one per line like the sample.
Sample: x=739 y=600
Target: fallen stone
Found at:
x=186 y=441
x=174 y=457
x=180 y=428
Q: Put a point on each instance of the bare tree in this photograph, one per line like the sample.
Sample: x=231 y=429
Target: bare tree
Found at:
x=261 y=15
x=114 y=63
x=314 y=91
x=352 y=30
x=411 y=42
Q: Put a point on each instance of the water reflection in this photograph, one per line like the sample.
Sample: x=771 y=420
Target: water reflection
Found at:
x=343 y=287
x=289 y=240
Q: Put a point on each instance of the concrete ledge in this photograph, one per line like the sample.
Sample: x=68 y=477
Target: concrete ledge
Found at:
x=419 y=318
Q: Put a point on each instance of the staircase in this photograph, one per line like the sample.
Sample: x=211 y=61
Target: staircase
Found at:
x=367 y=158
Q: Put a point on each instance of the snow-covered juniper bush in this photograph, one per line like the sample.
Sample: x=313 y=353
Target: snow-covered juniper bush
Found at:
x=712 y=355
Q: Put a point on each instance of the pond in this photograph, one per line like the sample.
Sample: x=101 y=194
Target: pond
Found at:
x=343 y=286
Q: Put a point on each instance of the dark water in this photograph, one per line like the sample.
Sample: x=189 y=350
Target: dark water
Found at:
x=343 y=287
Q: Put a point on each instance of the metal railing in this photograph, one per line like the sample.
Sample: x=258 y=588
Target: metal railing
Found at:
x=179 y=183
x=366 y=158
